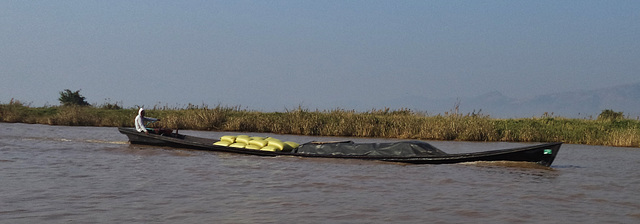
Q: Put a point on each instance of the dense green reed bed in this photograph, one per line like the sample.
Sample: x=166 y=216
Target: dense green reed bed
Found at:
x=386 y=123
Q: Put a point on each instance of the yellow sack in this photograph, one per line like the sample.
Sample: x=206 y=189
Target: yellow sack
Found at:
x=253 y=147
x=270 y=148
x=261 y=143
x=238 y=145
x=222 y=143
x=288 y=146
x=228 y=138
x=292 y=144
x=243 y=139
x=276 y=143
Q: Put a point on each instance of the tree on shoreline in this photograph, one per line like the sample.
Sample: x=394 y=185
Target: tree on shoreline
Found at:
x=69 y=98
x=610 y=115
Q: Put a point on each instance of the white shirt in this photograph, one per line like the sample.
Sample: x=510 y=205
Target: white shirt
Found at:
x=140 y=123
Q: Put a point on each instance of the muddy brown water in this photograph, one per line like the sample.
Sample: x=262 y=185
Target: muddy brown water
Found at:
x=59 y=174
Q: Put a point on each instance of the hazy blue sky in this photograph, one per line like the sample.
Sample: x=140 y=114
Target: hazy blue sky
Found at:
x=319 y=54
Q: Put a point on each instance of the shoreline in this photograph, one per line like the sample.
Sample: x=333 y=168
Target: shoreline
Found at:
x=401 y=124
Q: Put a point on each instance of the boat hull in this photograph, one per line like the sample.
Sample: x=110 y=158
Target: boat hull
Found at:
x=543 y=154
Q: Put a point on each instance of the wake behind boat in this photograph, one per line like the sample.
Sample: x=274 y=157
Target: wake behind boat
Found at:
x=414 y=152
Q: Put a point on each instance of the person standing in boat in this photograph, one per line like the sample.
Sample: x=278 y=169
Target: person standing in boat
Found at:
x=140 y=119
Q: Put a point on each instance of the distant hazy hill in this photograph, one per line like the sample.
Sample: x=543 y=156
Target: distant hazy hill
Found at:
x=577 y=104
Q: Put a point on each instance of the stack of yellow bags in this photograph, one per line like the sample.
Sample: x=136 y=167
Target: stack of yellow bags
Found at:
x=256 y=143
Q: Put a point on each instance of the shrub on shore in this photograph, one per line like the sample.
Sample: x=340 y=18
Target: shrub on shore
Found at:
x=70 y=98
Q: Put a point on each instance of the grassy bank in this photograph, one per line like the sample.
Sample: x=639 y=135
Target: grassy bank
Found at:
x=375 y=123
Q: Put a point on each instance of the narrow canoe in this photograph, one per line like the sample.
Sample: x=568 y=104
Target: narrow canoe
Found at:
x=542 y=154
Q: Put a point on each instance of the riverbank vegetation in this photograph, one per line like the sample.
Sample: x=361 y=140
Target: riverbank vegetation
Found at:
x=610 y=128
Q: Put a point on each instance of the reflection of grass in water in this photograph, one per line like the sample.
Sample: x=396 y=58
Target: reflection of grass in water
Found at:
x=385 y=123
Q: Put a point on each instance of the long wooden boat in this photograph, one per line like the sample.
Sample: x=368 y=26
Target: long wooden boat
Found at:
x=542 y=154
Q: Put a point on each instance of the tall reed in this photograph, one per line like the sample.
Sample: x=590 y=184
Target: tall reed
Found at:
x=386 y=123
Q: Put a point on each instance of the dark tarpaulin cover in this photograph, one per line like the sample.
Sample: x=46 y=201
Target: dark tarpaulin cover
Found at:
x=394 y=149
